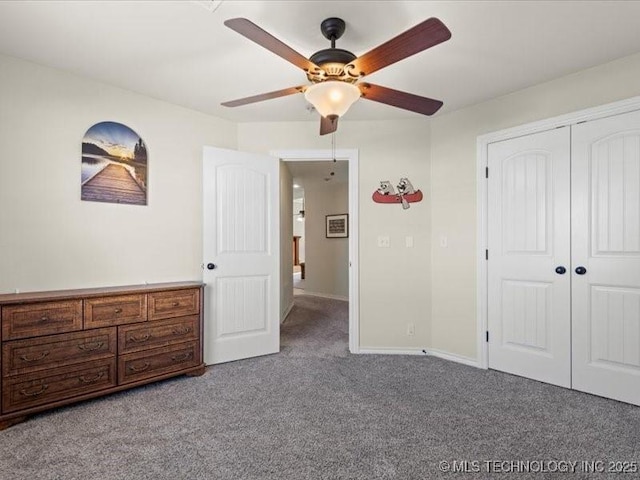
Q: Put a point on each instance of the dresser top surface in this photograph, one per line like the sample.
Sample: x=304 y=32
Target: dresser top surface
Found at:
x=30 y=297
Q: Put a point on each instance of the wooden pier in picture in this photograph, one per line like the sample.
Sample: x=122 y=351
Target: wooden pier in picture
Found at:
x=114 y=184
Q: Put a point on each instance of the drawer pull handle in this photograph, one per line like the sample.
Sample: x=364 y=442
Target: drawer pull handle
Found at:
x=143 y=338
x=182 y=357
x=141 y=369
x=89 y=347
x=93 y=379
x=118 y=310
x=44 y=318
x=43 y=388
x=176 y=304
x=181 y=331
x=24 y=358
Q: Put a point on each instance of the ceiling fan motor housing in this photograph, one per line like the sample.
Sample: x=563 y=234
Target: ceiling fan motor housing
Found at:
x=332 y=60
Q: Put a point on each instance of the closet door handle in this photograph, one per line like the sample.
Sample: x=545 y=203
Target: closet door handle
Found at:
x=581 y=270
x=561 y=270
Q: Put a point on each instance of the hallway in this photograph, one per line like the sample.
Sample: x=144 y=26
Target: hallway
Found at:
x=316 y=327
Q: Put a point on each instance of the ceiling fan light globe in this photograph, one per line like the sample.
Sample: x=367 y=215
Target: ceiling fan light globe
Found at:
x=332 y=97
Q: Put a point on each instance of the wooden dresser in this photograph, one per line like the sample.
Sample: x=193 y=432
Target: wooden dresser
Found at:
x=71 y=345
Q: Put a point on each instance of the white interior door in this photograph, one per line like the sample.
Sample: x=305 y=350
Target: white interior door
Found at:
x=529 y=230
x=606 y=244
x=241 y=233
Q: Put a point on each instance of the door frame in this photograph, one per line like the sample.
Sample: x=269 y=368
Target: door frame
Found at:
x=482 y=192
x=351 y=156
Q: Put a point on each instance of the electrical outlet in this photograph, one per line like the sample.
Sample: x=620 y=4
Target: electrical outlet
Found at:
x=383 y=242
x=411 y=329
x=444 y=241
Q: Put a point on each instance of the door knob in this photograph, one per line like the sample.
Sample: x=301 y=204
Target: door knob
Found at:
x=211 y=266
x=561 y=270
x=581 y=270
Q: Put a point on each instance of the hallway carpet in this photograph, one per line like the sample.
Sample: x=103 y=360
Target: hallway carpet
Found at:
x=314 y=411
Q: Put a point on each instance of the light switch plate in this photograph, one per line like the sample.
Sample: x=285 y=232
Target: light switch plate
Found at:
x=383 y=241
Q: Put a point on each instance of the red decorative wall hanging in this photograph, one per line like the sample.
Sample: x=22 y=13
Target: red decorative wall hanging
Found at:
x=406 y=193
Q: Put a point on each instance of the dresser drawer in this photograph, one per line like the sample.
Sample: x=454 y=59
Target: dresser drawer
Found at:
x=116 y=310
x=52 y=385
x=133 y=338
x=150 y=363
x=45 y=318
x=176 y=303
x=25 y=356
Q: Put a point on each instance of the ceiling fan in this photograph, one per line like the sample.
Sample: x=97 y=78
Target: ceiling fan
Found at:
x=335 y=73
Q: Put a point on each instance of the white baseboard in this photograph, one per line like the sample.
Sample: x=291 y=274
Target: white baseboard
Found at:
x=472 y=362
x=286 y=313
x=392 y=351
x=452 y=357
x=325 y=295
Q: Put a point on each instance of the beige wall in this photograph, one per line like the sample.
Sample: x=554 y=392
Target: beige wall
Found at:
x=453 y=161
x=49 y=239
x=395 y=284
x=286 y=236
x=327 y=259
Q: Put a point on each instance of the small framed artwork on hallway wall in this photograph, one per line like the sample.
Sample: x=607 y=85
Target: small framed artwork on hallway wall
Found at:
x=337 y=226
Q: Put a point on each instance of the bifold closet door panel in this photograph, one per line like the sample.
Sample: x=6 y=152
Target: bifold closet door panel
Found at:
x=529 y=242
x=606 y=257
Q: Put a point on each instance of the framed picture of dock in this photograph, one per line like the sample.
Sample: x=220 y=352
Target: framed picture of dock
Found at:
x=114 y=165
x=337 y=226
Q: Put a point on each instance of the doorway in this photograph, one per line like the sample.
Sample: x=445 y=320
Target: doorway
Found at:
x=350 y=159
x=320 y=260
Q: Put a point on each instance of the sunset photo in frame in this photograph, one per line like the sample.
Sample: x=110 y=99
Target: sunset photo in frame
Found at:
x=114 y=165
x=337 y=226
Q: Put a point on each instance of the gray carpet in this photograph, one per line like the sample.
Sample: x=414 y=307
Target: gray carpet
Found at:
x=316 y=412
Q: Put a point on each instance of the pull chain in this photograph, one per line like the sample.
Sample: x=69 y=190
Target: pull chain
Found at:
x=333 y=151
x=333 y=146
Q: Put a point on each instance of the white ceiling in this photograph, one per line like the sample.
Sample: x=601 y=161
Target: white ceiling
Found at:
x=181 y=52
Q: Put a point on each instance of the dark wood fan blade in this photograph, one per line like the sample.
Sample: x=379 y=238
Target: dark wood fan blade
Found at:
x=253 y=32
x=424 y=35
x=407 y=101
x=328 y=124
x=264 y=96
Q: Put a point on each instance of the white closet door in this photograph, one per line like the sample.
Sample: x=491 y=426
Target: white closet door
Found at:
x=606 y=244
x=529 y=230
